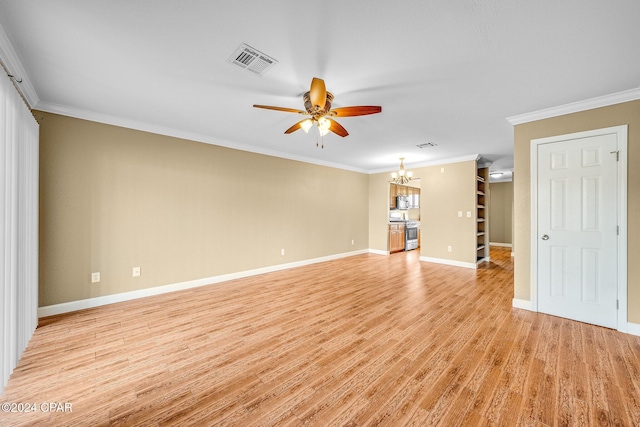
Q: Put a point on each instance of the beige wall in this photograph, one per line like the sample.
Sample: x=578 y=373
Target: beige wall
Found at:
x=444 y=190
x=113 y=198
x=627 y=113
x=379 y=211
x=501 y=212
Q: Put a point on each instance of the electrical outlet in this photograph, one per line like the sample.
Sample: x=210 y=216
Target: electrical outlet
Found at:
x=448 y=248
x=282 y=251
x=459 y=214
x=95 y=277
x=468 y=214
x=136 y=271
x=353 y=242
x=441 y=170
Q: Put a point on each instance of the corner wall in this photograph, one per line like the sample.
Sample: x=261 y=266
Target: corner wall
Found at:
x=444 y=190
x=113 y=198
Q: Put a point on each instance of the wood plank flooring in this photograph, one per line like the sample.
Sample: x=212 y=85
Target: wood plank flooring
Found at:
x=362 y=341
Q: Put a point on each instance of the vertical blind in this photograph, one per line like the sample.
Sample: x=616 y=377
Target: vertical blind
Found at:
x=18 y=227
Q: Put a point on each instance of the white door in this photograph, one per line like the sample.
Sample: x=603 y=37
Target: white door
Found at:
x=577 y=229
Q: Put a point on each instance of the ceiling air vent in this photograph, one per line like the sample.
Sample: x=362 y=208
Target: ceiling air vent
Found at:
x=427 y=144
x=251 y=59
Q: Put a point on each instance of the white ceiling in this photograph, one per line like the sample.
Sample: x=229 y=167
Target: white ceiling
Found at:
x=447 y=72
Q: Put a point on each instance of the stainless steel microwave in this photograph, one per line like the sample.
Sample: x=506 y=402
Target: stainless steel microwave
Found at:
x=402 y=202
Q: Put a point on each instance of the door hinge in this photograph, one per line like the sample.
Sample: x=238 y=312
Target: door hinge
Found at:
x=617 y=153
x=617 y=304
x=617 y=230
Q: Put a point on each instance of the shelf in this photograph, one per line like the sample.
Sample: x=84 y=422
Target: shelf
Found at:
x=482 y=195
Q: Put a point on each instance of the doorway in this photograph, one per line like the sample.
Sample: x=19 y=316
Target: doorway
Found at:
x=578 y=240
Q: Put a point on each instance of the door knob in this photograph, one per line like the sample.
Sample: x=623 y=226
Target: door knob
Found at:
x=545 y=237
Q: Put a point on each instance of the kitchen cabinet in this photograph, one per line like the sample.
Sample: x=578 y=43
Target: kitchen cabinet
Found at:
x=393 y=192
x=396 y=238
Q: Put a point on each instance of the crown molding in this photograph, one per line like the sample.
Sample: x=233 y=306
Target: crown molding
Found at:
x=177 y=133
x=14 y=67
x=470 y=157
x=575 y=107
x=182 y=134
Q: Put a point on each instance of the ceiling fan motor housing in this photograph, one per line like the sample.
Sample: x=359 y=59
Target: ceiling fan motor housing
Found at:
x=312 y=110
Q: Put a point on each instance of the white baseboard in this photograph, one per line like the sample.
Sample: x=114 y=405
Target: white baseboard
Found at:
x=633 y=328
x=522 y=303
x=378 y=252
x=449 y=262
x=67 y=307
x=501 y=245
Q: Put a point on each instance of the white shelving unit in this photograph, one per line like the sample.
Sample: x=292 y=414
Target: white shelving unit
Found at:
x=482 y=215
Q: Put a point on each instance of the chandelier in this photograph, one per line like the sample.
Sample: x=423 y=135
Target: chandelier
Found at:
x=401 y=177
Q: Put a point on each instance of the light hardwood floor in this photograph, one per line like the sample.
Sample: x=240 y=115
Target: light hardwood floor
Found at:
x=366 y=340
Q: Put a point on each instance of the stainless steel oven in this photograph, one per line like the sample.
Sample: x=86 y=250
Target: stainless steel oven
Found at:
x=411 y=235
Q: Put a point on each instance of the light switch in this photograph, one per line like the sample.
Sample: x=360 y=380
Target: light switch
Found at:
x=459 y=214
x=468 y=214
x=136 y=271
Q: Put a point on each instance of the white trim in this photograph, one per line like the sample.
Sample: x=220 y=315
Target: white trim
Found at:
x=191 y=136
x=633 y=328
x=622 y=138
x=501 y=245
x=468 y=158
x=182 y=134
x=449 y=262
x=67 y=307
x=379 y=252
x=574 y=107
x=522 y=303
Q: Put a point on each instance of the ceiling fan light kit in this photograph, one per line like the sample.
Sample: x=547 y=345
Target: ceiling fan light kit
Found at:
x=317 y=104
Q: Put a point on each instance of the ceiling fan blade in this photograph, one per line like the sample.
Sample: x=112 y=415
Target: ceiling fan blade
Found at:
x=294 y=127
x=318 y=93
x=337 y=128
x=355 y=111
x=286 y=110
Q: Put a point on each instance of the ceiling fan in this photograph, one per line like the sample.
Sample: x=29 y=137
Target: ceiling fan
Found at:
x=317 y=104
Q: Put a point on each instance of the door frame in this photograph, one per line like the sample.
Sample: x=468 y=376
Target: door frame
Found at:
x=621 y=133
